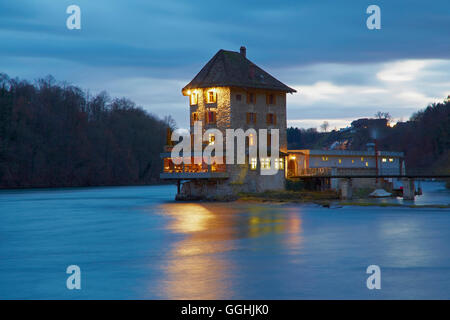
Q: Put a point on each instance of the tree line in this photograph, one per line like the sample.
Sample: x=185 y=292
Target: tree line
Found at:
x=57 y=135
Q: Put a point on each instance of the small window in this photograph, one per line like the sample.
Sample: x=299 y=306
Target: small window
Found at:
x=211 y=139
x=340 y=161
x=194 y=117
x=324 y=158
x=265 y=163
x=210 y=116
x=251 y=117
x=384 y=160
x=367 y=164
x=271 y=119
x=270 y=98
x=238 y=97
x=279 y=164
x=353 y=160
x=251 y=139
x=251 y=98
x=362 y=159
x=193 y=98
x=253 y=163
x=211 y=96
x=391 y=159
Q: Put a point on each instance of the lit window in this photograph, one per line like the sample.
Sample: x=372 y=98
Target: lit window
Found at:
x=193 y=98
x=194 y=117
x=265 y=163
x=391 y=159
x=384 y=160
x=211 y=96
x=324 y=158
x=211 y=139
x=279 y=164
x=362 y=159
x=353 y=160
x=340 y=160
x=253 y=163
x=251 y=139
x=367 y=164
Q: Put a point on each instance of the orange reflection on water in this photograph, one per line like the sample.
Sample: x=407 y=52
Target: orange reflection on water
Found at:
x=195 y=270
x=199 y=265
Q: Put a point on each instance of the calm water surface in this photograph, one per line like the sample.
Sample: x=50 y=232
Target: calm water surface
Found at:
x=135 y=242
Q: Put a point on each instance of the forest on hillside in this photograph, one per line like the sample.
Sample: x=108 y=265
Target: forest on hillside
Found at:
x=424 y=138
x=56 y=135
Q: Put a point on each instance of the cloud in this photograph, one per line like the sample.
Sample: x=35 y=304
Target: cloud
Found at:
x=147 y=50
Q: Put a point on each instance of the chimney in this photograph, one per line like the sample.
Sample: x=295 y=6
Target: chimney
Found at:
x=243 y=51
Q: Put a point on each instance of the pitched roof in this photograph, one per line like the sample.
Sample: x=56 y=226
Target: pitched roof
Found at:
x=232 y=69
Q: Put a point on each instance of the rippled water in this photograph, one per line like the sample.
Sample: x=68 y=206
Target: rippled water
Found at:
x=135 y=242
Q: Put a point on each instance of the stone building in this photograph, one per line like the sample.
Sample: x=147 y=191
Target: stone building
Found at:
x=231 y=92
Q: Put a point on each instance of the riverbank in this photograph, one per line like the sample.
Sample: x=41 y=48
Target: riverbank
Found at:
x=330 y=198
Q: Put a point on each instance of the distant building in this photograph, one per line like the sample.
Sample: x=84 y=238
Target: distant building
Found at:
x=345 y=162
x=366 y=123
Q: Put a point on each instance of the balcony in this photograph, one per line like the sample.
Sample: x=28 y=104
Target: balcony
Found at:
x=193 y=171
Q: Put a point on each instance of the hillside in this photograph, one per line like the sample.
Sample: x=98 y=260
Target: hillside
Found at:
x=55 y=135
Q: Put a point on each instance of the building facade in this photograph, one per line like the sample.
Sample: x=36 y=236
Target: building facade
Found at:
x=231 y=92
x=346 y=163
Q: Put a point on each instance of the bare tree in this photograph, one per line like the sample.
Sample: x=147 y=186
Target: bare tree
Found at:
x=324 y=126
x=383 y=115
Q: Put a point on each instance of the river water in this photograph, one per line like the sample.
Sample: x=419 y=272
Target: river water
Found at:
x=136 y=243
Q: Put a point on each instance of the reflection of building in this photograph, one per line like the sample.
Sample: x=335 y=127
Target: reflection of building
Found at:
x=201 y=263
x=231 y=92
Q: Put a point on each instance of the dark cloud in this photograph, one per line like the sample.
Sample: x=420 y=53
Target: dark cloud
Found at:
x=174 y=39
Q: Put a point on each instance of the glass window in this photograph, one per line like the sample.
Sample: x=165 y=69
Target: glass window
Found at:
x=384 y=160
x=265 y=163
x=211 y=96
x=279 y=164
x=251 y=139
x=391 y=159
x=253 y=163
x=211 y=139
x=193 y=98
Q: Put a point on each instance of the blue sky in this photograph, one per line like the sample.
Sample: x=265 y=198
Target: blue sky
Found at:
x=148 y=50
